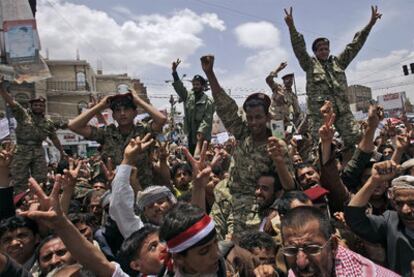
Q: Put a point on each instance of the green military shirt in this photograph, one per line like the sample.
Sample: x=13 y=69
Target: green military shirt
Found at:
x=32 y=129
x=250 y=162
x=198 y=113
x=113 y=144
x=327 y=80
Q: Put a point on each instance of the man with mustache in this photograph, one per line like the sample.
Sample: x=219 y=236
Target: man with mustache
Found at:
x=394 y=230
x=311 y=248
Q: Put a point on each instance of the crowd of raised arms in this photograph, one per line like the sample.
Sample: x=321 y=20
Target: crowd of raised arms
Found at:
x=333 y=197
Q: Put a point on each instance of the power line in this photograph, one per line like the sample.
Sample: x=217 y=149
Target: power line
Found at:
x=272 y=20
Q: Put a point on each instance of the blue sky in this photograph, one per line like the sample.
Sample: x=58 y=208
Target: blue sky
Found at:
x=249 y=39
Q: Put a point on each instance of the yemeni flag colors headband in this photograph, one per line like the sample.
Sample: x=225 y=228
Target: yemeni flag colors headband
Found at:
x=191 y=236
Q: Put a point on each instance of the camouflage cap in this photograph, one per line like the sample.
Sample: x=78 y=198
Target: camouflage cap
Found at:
x=260 y=97
x=122 y=100
x=38 y=99
x=318 y=41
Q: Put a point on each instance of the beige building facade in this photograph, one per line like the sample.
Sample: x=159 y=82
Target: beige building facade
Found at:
x=69 y=91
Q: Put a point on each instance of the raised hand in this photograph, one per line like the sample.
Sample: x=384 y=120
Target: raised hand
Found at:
x=137 y=146
x=49 y=212
x=327 y=132
x=383 y=171
x=73 y=171
x=175 y=65
x=108 y=169
x=402 y=141
x=375 y=115
x=219 y=157
x=289 y=17
x=201 y=172
x=375 y=15
x=281 y=67
x=207 y=63
x=6 y=155
x=326 y=110
x=275 y=149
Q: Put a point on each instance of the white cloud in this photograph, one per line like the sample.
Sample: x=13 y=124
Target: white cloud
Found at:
x=263 y=39
x=384 y=74
x=258 y=35
x=140 y=43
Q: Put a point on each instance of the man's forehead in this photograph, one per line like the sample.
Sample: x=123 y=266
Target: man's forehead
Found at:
x=18 y=230
x=304 y=170
x=306 y=231
x=54 y=244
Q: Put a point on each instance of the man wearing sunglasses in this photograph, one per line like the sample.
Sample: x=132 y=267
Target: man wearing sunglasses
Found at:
x=311 y=248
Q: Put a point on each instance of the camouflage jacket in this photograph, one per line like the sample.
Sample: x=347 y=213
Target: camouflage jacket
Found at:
x=284 y=108
x=250 y=162
x=222 y=209
x=113 y=145
x=326 y=80
x=198 y=113
x=32 y=129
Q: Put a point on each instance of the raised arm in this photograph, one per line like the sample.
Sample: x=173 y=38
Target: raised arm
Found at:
x=159 y=118
x=226 y=107
x=121 y=208
x=381 y=172
x=81 y=249
x=80 y=125
x=178 y=84
x=6 y=96
x=269 y=79
x=298 y=42
x=201 y=174
x=353 y=170
x=355 y=46
x=278 y=152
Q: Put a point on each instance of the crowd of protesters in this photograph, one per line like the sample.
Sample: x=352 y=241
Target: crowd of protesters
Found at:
x=257 y=205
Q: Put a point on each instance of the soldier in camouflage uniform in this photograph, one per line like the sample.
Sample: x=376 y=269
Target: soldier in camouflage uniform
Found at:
x=198 y=109
x=251 y=157
x=326 y=79
x=285 y=105
x=114 y=139
x=32 y=129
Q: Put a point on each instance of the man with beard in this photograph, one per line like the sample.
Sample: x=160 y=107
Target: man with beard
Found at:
x=251 y=153
x=393 y=229
x=312 y=249
x=32 y=129
x=266 y=193
x=198 y=109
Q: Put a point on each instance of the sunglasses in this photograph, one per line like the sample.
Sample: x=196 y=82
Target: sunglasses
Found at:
x=311 y=249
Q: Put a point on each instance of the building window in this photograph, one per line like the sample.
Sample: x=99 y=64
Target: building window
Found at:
x=122 y=88
x=81 y=80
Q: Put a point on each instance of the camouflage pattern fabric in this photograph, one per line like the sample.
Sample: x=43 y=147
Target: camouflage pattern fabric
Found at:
x=198 y=113
x=250 y=162
x=222 y=210
x=28 y=161
x=279 y=109
x=327 y=81
x=29 y=157
x=113 y=145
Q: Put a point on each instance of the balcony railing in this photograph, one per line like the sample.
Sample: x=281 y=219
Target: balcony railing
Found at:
x=67 y=86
